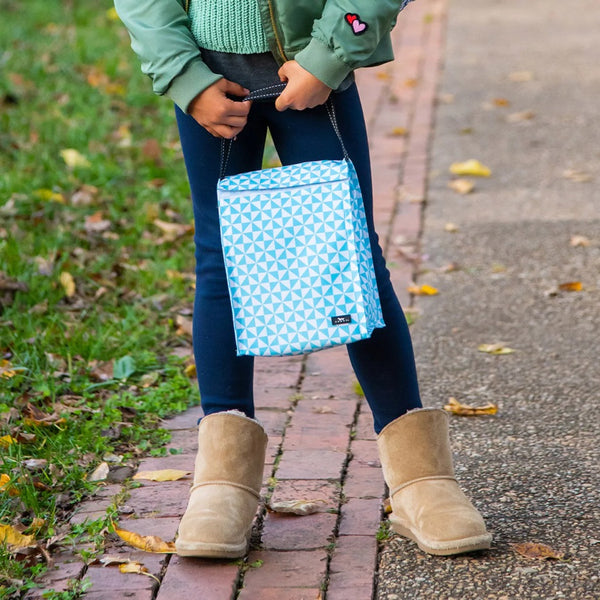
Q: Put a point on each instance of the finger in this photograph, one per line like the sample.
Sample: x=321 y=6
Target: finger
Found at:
x=282 y=103
x=236 y=109
x=234 y=88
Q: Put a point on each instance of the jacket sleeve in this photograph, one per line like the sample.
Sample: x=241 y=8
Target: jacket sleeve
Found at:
x=161 y=37
x=346 y=35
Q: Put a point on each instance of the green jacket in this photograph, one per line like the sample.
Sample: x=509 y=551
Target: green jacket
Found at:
x=329 y=38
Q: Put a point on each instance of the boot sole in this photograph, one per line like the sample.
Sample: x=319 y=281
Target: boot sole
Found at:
x=204 y=550
x=470 y=544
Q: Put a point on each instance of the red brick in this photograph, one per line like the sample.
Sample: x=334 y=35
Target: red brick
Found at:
x=160 y=499
x=191 y=578
x=364 y=425
x=127 y=594
x=311 y=464
x=184 y=440
x=293 y=532
x=185 y=420
x=182 y=462
x=360 y=516
x=282 y=594
x=302 y=569
x=298 y=489
x=364 y=482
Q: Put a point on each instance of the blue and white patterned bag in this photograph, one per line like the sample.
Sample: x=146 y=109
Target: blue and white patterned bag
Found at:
x=298 y=258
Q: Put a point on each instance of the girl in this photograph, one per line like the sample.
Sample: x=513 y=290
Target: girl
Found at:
x=206 y=55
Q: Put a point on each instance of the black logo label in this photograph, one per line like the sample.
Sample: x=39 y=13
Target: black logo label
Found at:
x=341 y=320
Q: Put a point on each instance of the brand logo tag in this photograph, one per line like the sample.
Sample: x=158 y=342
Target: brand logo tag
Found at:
x=341 y=320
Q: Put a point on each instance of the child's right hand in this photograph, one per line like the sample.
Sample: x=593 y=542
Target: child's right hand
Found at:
x=218 y=114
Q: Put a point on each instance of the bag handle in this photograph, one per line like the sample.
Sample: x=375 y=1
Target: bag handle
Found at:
x=269 y=92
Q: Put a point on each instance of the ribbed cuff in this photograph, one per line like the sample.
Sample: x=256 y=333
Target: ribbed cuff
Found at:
x=195 y=78
x=320 y=60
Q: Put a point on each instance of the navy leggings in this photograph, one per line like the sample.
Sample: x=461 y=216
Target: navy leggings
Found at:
x=384 y=364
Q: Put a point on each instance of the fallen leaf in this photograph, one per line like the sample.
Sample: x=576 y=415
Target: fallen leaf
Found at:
x=184 y=326
x=470 y=167
x=462 y=186
x=464 y=410
x=137 y=569
x=324 y=410
x=100 y=473
x=190 y=371
x=498 y=349
x=68 y=283
x=73 y=158
x=298 y=507
x=520 y=76
x=525 y=115
x=577 y=176
x=571 y=286
x=34 y=416
x=383 y=75
x=49 y=196
x=6 y=485
x=172 y=231
x=387 y=506
x=451 y=227
x=537 y=551
x=6 y=441
x=423 y=290
x=399 y=131
x=14 y=539
x=579 y=240
x=96 y=223
x=147 y=543
x=162 y=475
x=501 y=102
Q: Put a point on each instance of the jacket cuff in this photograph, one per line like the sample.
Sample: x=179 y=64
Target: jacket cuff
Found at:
x=195 y=78
x=320 y=60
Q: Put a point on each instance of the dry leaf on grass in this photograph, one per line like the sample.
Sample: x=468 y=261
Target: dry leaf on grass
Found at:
x=464 y=410
x=537 y=551
x=14 y=539
x=423 y=290
x=298 y=507
x=147 y=543
x=68 y=284
x=497 y=349
x=161 y=475
x=73 y=158
x=470 y=167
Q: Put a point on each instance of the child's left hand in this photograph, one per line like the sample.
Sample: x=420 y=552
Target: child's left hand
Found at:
x=303 y=89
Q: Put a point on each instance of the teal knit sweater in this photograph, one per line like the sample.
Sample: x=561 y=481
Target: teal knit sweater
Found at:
x=228 y=26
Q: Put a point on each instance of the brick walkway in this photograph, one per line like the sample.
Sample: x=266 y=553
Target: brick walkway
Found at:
x=321 y=440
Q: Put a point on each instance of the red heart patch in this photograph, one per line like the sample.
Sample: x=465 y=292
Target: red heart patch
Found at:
x=351 y=18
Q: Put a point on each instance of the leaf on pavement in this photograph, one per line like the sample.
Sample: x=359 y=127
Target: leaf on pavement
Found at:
x=162 y=475
x=100 y=473
x=520 y=76
x=14 y=539
x=147 y=543
x=298 y=507
x=464 y=410
x=451 y=228
x=525 y=115
x=571 y=286
x=470 y=167
x=497 y=349
x=462 y=186
x=577 y=176
x=579 y=240
x=423 y=290
x=537 y=551
x=137 y=569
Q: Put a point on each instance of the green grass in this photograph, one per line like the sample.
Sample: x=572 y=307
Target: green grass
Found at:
x=103 y=362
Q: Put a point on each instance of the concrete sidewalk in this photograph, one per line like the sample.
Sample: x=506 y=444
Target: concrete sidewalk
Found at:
x=518 y=92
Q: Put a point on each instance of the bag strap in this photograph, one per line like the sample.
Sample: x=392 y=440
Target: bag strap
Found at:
x=269 y=92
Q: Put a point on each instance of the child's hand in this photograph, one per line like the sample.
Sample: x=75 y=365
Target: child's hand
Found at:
x=303 y=89
x=218 y=114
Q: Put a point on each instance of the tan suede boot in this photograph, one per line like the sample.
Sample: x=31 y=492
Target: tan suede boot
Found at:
x=226 y=490
x=427 y=505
